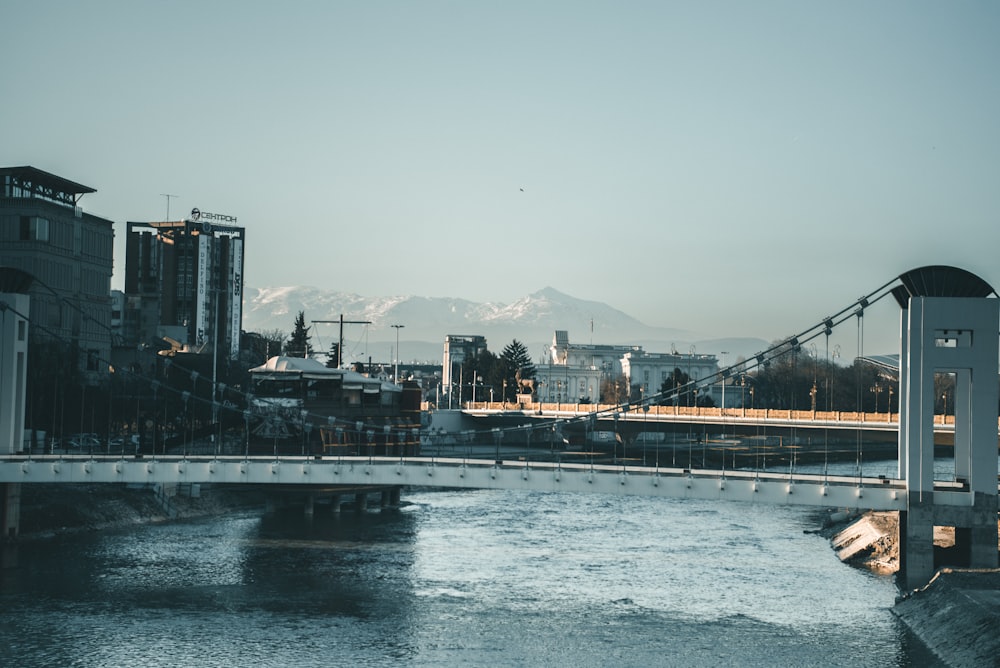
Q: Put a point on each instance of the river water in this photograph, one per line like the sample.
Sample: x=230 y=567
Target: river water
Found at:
x=470 y=578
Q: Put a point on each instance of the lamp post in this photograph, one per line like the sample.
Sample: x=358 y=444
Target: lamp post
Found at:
x=724 y=353
x=833 y=370
x=690 y=359
x=395 y=377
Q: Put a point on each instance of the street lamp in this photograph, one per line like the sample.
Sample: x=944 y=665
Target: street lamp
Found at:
x=395 y=377
x=724 y=353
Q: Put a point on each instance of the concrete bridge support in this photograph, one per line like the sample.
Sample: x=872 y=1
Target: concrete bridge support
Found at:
x=957 y=336
x=10 y=506
x=361 y=501
x=390 y=497
x=14 y=304
x=335 y=502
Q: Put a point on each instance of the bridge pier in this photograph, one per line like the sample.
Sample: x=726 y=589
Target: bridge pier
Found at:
x=309 y=505
x=14 y=304
x=10 y=521
x=948 y=329
x=916 y=542
x=361 y=501
x=335 y=502
x=390 y=498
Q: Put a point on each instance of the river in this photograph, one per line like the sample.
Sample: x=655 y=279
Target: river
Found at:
x=470 y=578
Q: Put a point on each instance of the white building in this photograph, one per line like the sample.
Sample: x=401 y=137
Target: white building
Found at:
x=646 y=372
x=575 y=371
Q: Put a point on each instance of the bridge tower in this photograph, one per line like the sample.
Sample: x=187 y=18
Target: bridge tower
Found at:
x=14 y=304
x=948 y=325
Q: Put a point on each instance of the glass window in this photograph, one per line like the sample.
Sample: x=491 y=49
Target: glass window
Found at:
x=34 y=229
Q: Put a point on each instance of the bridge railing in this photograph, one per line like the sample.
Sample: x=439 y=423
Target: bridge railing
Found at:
x=693 y=411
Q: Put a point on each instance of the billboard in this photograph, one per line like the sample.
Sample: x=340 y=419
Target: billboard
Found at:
x=204 y=296
x=236 y=299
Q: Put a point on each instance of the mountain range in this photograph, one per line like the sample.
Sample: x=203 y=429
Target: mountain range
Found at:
x=426 y=321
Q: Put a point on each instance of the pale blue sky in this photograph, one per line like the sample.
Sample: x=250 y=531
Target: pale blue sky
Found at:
x=734 y=168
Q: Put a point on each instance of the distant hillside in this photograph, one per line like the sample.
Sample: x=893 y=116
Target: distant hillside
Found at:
x=427 y=320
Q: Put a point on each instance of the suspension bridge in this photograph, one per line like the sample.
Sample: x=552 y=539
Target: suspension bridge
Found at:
x=950 y=326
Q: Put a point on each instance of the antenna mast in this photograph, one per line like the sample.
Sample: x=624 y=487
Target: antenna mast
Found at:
x=168 y=204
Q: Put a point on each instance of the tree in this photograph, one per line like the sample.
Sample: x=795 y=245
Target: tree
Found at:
x=263 y=345
x=675 y=384
x=515 y=363
x=333 y=357
x=614 y=389
x=298 y=342
x=485 y=365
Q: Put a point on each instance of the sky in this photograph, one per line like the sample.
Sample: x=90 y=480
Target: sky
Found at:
x=732 y=168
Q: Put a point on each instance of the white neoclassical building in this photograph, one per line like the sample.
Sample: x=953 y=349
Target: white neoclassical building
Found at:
x=647 y=371
x=573 y=372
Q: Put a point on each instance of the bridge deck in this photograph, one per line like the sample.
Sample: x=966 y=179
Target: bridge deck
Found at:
x=861 y=493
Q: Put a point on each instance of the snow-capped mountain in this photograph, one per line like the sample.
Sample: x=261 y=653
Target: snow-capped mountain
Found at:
x=427 y=320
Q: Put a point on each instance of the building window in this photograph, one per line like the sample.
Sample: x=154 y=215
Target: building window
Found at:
x=34 y=228
x=20 y=330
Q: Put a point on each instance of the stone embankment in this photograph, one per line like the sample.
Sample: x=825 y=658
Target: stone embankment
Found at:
x=956 y=615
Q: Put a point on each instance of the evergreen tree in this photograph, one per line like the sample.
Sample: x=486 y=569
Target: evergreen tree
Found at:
x=514 y=363
x=484 y=366
x=298 y=342
x=333 y=357
x=675 y=383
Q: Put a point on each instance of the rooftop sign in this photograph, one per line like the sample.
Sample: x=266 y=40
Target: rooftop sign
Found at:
x=198 y=214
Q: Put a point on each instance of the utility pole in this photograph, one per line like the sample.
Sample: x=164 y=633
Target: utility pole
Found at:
x=340 y=347
x=395 y=377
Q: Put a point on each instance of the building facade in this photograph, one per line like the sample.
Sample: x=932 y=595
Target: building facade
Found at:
x=575 y=372
x=646 y=372
x=184 y=283
x=457 y=349
x=69 y=254
x=297 y=401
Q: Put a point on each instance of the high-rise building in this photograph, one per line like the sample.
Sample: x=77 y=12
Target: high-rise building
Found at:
x=184 y=282
x=69 y=254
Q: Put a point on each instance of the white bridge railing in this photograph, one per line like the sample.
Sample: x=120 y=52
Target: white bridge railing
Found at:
x=328 y=472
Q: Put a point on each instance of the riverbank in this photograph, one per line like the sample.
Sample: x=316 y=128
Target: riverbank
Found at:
x=956 y=615
x=49 y=510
